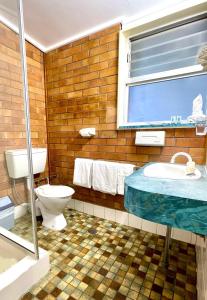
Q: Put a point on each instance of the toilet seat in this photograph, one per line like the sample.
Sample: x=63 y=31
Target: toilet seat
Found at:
x=54 y=191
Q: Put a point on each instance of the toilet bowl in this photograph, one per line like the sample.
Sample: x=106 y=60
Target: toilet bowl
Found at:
x=52 y=199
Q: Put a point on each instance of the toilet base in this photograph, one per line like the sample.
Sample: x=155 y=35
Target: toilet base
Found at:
x=50 y=220
x=54 y=222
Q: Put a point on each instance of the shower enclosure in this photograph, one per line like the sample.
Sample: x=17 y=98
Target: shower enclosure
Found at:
x=15 y=103
x=22 y=262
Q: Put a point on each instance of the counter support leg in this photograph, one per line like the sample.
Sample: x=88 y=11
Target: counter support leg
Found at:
x=167 y=246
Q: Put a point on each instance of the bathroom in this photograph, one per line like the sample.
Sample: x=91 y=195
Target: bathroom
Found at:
x=69 y=109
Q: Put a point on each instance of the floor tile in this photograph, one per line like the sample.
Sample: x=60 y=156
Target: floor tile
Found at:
x=94 y=258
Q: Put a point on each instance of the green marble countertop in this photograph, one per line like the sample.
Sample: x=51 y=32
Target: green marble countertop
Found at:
x=191 y=189
x=176 y=203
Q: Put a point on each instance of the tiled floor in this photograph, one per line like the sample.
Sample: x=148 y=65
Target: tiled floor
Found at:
x=117 y=262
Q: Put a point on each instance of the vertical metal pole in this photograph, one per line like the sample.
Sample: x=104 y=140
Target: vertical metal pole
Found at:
x=167 y=246
x=27 y=122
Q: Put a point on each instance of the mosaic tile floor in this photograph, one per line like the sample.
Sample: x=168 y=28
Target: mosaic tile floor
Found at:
x=117 y=262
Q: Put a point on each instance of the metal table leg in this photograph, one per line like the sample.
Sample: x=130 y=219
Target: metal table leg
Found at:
x=167 y=245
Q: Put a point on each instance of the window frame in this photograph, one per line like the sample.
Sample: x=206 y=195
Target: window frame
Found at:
x=148 y=26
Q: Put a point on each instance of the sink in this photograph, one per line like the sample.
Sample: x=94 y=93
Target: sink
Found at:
x=169 y=171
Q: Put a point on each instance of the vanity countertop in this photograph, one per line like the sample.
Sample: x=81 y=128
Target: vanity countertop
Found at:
x=176 y=203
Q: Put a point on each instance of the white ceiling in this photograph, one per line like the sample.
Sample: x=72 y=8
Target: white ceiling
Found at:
x=51 y=23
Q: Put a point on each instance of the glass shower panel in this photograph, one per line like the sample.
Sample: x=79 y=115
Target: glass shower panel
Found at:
x=15 y=212
x=36 y=83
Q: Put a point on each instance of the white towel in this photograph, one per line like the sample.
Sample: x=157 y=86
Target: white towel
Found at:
x=105 y=176
x=123 y=171
x=83 y=172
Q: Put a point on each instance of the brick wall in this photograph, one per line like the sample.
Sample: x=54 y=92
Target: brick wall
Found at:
x=81 y=80
x=12 y=127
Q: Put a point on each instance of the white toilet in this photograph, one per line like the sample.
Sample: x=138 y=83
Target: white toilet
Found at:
x=52 y=199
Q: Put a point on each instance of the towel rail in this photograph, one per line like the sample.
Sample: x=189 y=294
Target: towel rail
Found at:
x=47 y=179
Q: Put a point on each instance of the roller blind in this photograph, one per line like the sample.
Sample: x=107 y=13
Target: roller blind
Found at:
x=171 y=49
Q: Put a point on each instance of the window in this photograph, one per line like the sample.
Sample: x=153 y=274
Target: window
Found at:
x=172 y=97
x=160 y=73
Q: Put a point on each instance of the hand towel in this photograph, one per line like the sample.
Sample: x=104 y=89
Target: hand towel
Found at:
x=123 y=171
x=105 y=175
x=83 y=172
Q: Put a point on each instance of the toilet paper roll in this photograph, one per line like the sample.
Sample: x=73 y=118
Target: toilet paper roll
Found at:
x=87 y=132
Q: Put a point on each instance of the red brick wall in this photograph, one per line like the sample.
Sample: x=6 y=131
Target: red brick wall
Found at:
x=12 y=127
x=81 y=80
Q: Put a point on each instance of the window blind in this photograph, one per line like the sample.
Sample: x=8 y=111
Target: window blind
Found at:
x=171 y=49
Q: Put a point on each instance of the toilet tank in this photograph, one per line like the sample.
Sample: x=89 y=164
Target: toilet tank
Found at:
x=17 y=162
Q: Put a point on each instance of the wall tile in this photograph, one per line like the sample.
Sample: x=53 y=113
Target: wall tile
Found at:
x=201 y=257
x=71 y=204
x=122 y=217
x=135 y=221
x=99 y=211
x=161 y=229
x=149 y=226
x=181 y=235
x=109 y=214
x=88 y=208
x=193 y=238
x=79 y=205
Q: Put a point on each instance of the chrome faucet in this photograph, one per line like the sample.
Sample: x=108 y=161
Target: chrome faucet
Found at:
x=172 y=161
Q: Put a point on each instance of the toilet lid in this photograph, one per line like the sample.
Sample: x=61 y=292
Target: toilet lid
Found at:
x=54 y=191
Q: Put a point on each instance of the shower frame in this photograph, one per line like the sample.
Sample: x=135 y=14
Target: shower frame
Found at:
x=27 y=123
x=21 y=31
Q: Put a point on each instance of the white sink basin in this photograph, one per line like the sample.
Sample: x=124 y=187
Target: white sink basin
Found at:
x=169 y=171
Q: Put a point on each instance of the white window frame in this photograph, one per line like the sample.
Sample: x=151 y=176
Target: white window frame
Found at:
x=142 y=26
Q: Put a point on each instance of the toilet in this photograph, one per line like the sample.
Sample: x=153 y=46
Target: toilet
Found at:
x=52 y=199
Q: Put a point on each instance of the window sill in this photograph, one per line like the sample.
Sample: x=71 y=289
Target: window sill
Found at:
x=157 y=126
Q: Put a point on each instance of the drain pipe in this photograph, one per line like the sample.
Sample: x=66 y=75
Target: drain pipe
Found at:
x=27 y=122
x=15 y=192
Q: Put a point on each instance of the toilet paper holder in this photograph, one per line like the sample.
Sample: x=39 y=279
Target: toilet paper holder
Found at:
x=87 y=132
